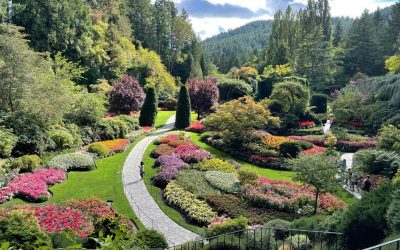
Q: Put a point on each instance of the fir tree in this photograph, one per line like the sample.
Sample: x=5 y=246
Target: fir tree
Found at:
x=149 y=111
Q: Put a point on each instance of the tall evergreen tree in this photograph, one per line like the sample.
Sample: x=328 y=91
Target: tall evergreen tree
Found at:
x=184 y=108
x=394 y=28
x=140 y=15
x=149 y=110
x=338 y=34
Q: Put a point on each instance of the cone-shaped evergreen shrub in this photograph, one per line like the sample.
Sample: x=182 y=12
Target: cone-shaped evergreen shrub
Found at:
x=149 y=111
x=183 y=109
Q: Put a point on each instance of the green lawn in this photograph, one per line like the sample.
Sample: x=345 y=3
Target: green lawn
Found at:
x=269 y=173
x=162 y=118
x=104 y=182
x=156 y=193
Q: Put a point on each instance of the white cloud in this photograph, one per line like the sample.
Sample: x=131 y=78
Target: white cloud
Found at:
x=354 y=8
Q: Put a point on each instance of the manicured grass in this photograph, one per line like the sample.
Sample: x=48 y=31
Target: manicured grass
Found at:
x=269 y=173
x=345 y=196
x=156 y=193
x=162 y=118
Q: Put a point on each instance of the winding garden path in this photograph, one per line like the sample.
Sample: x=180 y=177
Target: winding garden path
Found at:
x=140 y=199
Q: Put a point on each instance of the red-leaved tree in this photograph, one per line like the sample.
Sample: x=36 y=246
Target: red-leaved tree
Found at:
x=204 y=95
x=126 y=96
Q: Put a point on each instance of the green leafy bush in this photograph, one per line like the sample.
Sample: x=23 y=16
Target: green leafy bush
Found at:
x=276 y=107
x=377 y=162
x=299 y=242
x=215 y=164
x=73 y=161
x=62 y=139
x=195 y=182
x=261 y=238
x=282 y=226
x=228 y=226
x=27 y=163
x=247 y=177
x=320 y=102
x=152 y=239
x=289 y=149
x=7 y=142
x=364 y=223
x=194 y=208
x=99 y=149
x=388 y=137
x=117 y=127
x=225 y=182
x=393 y=215
x=21 y=229
x=230 y=89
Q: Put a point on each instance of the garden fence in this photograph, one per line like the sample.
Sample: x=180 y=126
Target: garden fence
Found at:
x=268 y=238
x=390 y=245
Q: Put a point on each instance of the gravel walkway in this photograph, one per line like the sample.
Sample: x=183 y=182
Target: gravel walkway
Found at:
x=142 y=202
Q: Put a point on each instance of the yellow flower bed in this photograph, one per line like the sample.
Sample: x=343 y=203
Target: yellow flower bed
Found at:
x=273 y=141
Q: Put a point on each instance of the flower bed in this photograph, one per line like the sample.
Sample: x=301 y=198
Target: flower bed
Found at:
x=73 y=161
x=170 y=167
x=225 y=182
x=115 y=146
x=93 y=207
x=215 y=164
x=162 y=149
x=287 y=196
x=314 y=150
x=167 y=139
x=352 y=146
x=196 y=126
x=316 y=142
x=274 y=141
x=306 y=124
x=196 y=209
x=32 y=186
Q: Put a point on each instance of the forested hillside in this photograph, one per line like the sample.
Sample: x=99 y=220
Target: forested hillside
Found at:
x=237 y=46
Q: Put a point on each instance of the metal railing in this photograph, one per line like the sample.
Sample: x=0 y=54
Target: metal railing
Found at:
x=390 y=245
x=268 y=238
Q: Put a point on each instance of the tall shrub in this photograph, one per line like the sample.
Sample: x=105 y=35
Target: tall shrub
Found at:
x=149 y=110
x=320 y=102
x=127 y=95
x=204 y=94
x=183 y=110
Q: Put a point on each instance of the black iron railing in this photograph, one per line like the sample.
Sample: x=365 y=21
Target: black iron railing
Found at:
x=268 y=238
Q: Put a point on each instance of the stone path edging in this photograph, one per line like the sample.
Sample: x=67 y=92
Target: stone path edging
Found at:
x=146 y=209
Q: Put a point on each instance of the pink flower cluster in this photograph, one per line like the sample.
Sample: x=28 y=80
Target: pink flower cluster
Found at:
x=196 y=126
x=32 y=186
x=93 y=207
x=192 y=154
x=306 y=124
x=285 y=195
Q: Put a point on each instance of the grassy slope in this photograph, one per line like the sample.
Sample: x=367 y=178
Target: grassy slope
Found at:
x=105 y=182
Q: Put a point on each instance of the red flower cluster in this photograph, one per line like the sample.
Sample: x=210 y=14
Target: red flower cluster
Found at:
x=306 y=124
x=260 y=158
x=284 y=195
x=32 y=186
x=147 y=129
x=314 y=150
x=355 y=124
x=93 y=207
x=168 y=138
x=196 y=126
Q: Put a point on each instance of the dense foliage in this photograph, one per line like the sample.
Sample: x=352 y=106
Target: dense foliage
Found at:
x=149 y=110
x=184 y=108
x=204 y=95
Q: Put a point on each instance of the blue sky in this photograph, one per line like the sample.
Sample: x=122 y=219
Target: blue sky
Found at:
x=210 y=17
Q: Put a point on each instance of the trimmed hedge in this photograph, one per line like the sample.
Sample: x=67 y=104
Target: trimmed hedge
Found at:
x=289 y=149
x=320 y=102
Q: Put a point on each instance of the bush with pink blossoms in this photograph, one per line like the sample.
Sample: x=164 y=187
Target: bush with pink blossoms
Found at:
x=167 y=174
x=162 y=149
x=32 y=186
x=196 y=156
x=196 y=126
x=353 y=146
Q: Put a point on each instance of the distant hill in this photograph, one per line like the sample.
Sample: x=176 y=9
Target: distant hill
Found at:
x=235 y=47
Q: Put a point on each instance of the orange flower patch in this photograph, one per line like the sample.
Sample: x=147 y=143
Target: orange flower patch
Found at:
x=117 y=145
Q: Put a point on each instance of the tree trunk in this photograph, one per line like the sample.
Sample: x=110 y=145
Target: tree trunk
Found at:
x=316 y=201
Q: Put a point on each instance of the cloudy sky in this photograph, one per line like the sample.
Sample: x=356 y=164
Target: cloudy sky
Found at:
x=210 y=17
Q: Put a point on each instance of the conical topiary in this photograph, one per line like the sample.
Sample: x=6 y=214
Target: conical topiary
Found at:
x=149 y=111
x=183 y=109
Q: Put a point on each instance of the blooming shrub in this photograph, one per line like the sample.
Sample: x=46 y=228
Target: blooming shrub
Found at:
x=274 y=141
x=306 y=124
x=32 y=186
x=185 y=149
x=227 y=226
x=350 y=146
x=99 y=149
x=226 y=182
x=162 y=149
x=196 y=126
x=73 y=161
x=316 y=142
x=115 y=146
x=194 y=208
x=196 y=156
x=217 y=165
x=313 y=151
x=93 y=207
x=287 y=196
x=167 y=139
x=171 y=165
x=180 y=142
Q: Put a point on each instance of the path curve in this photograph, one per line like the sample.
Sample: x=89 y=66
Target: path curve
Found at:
x=146 y=209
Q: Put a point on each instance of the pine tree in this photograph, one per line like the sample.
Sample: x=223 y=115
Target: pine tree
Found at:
x=149 y=111
x=338 y=34
x=394 y=28
x=183 y=110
